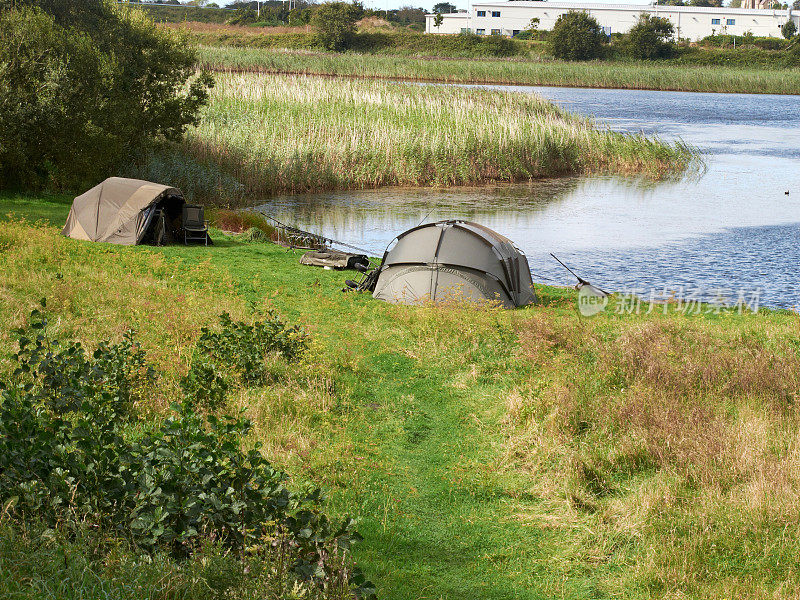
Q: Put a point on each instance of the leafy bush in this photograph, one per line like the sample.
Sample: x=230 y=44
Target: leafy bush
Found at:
x=204 y=387
x=765 y=43
x=64 y=377
x=236 y=355
x=186 y=482
x=182 y=14
x=243 y=15
x=532 y=34
x=727 y=41
x=650 y=38
x=497 y=45
x=788 y=30
x=300 y=16
x=240 y=348
x=336 y=24
x=740 y=57
x=576 y=36
x=464 y=44
x=83 y=86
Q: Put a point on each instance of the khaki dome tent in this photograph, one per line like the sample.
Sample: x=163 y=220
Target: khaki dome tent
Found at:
x=454 y=259
x=121 y=211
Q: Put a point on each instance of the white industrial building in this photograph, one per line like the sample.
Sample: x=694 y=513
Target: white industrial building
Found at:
x=691 y=22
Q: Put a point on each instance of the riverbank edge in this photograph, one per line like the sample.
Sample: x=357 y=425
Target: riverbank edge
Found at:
x=257 y=71
x=461 y=71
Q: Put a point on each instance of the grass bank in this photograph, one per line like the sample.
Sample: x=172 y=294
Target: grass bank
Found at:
x=175 y=14
x=267 y=134
x=371 y=41
x=676 y=75
x=720 y=51
x=488 y=454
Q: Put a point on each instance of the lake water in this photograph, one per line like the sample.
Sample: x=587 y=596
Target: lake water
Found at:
x=728 y=231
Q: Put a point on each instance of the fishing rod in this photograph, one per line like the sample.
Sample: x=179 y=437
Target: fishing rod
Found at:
x=322 y=240
x=545 y=277
x=574 y=274
x=425 y=218
x=581 y=280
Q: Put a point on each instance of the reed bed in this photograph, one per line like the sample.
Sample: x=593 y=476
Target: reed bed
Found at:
x=622 y=75
x=279 y=134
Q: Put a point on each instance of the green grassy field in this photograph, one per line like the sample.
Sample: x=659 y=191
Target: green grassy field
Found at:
x=669 y=75
x=267 y=134
x=487 y=454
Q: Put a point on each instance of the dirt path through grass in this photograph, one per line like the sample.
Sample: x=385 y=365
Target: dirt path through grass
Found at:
x=415 y=452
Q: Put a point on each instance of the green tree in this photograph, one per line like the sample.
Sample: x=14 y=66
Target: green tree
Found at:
x=243 y=15
x=300 y=16
x=444 y=7
x=85 y=85
x=789 y=29
x=576 y=36
x=438 y=20
x=407 y=16
x=650 y=38
x=336 y=24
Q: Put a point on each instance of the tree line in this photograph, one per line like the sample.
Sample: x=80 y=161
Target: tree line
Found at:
x=578 y=36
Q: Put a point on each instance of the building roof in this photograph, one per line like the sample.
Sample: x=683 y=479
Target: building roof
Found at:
x=632 y=7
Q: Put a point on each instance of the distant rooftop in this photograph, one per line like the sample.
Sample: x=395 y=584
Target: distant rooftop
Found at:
x=639 y=7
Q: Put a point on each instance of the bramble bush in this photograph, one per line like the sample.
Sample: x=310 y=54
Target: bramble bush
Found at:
x=63 y=377
x=68 y=460
x=242 y=346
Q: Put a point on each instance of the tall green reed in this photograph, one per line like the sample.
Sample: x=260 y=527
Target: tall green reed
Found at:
x=287 y=134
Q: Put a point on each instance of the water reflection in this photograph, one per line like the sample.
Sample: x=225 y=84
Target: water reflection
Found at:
x=734 y=225
x=372 y=218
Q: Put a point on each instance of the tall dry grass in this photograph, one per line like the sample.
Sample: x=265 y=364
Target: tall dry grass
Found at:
x=278 y=134
x=678 y=440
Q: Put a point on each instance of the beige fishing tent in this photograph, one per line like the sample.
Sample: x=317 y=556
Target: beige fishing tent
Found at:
x=122 y=211
x=454 y=260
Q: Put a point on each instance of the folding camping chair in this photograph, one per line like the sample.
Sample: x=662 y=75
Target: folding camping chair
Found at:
x=195 y=227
